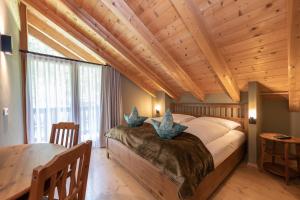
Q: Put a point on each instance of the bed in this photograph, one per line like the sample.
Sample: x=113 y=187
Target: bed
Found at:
x=227 y=150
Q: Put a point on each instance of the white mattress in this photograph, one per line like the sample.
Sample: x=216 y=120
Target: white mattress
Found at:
x=224 y=146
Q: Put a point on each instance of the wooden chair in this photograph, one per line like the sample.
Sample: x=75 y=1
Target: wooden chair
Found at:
x=65 y=174
x=65 y=134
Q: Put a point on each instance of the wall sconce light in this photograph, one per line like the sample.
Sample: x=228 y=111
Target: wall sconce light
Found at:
x=157 y=110
x=6 y=44
x=252 y=116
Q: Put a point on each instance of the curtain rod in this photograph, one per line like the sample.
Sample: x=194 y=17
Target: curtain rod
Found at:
x=62 y=58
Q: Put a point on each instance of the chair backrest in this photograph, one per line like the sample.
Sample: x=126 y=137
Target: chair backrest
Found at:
x=65 y=134
x=65 y=174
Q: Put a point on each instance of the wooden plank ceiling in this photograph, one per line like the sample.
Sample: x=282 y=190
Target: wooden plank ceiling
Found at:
x=177 y=46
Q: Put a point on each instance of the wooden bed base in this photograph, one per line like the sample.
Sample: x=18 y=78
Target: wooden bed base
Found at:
x=165 y=187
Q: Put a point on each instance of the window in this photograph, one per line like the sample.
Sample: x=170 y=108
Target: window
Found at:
x=62 y=90
x=36 y=45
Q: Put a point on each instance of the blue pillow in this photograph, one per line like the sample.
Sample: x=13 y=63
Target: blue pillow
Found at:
x=167 y=129
x=134 y=120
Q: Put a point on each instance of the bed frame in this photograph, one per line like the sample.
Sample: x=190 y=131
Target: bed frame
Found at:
x=161 y=185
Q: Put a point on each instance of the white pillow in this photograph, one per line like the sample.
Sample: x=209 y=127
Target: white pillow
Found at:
x=178 y=118
x=224 y=122
x=206 y=131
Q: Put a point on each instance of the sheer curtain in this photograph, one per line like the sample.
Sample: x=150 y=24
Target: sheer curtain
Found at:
x=59 y=90
x=89 y=83
x=49 y=95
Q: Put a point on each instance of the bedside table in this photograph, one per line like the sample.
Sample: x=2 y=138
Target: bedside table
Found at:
x=283 y=170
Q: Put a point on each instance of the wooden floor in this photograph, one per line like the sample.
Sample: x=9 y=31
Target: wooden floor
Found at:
x=108 y=181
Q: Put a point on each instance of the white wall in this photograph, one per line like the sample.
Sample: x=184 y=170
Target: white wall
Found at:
x=276 y=115
x=132 y=95
x=11 y=127
x=295 y=124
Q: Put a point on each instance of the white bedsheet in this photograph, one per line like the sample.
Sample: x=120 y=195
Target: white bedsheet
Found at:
x=219 y=140
x=224 y=146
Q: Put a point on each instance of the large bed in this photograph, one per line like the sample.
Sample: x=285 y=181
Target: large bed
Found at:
x=225 y=145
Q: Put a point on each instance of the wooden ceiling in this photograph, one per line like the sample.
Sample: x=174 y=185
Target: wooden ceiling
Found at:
x=177 y=46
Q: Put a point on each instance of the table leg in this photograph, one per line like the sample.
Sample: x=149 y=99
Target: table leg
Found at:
x=286 y=160
x=262 y=153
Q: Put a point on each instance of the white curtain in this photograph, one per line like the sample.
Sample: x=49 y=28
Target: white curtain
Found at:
x=49 y=95
x=61 y=90
x=89 y=79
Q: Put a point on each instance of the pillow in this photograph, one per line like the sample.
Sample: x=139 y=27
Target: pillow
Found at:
x=206 y=131
x=224 y=122
x=167 y=129
x=134 y=120
x=180 y=118
x=177 y=118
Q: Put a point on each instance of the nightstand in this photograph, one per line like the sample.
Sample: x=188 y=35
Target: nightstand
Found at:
x=284 y=169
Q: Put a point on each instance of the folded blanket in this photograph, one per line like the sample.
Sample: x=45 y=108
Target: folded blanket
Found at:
x=184 y=157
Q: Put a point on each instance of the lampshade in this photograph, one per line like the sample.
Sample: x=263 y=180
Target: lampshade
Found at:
x=157 y=107
x=252 y=116
x=6 y=44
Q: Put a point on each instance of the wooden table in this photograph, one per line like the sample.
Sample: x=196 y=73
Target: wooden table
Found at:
x=17 y=163
x=276 y=168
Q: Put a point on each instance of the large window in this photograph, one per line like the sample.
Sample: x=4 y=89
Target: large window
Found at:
x=61 y=90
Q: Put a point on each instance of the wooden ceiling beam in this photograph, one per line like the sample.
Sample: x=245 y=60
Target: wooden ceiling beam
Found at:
x=51 y=43
x=170 y=65
x=60 y=38
x=190 y=16
x=293 y=65
x=118 y=46
x=41 y=8
x=24 y=46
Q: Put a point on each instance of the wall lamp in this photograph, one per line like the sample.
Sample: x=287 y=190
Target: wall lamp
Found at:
x=6 y=44
x=157 y=110
x=252 y=116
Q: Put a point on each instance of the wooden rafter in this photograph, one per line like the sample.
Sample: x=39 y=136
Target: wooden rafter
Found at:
x=187 y=10
x=51 y=43
x=50 y=14
x=59 y=38
x=128 y=17
x=293 y=63
x=122 y=49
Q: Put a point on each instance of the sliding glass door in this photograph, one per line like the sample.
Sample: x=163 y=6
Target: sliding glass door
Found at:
x=60 y=90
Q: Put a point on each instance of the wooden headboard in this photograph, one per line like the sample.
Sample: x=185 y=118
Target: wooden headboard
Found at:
x=231 y=111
